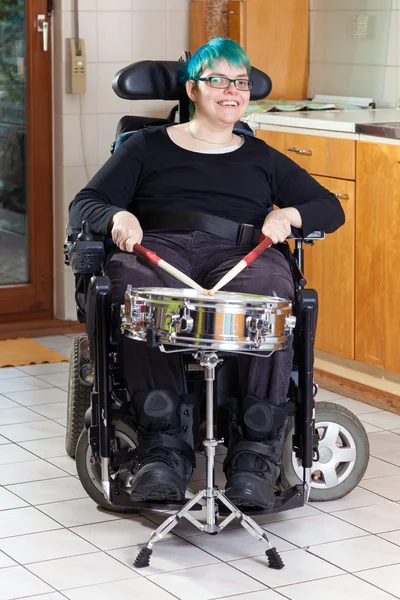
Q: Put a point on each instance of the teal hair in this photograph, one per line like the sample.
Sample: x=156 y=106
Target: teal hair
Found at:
x=217 y=49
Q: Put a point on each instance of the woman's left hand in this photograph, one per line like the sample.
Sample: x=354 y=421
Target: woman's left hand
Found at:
x=278 y=224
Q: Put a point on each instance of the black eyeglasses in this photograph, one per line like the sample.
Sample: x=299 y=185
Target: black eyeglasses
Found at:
x=222 y=83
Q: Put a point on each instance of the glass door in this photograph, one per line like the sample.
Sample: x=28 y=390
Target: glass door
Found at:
x=25 y=160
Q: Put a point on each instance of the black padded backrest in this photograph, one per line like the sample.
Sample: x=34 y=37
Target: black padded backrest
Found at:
x=160 y=80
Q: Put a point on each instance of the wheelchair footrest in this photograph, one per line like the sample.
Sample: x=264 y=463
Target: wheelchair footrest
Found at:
x=287 y=500
x=163 y=506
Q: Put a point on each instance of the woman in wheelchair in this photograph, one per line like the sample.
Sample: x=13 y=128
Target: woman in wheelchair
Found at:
x=187 y=190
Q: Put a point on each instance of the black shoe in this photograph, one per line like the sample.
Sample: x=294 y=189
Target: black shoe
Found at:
x=250 y=475
x=163 y=466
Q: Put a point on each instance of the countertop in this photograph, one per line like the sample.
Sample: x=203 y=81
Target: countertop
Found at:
x=329 y=120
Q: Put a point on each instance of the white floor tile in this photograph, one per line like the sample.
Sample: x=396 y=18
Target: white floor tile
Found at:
x=50 y=490
x=78 y=571
x=66 y=463
x=11 y=453
x=33 y=397
x=33 y=470
x=384 y=419
x=233 y=544
x=72 y=513
x=370 y=428
x=358 y=553
x=383 y=441
x=14 y=416
x=345 y=587
x=46 y=368
x=205 y=583
x=263 y=595
x=25 y=432
x=199 y=473
x=136 y=589
x=21 y=521
x=56 y=379
x=49 y=545
x=357 y=498
x=9 y=500
x=388 y=487
x=6 y=561
x=356 y=407
x=386 y=578
x=62 y=422
x=390 y=457
x=380 y=468
x=171 y=555
x=10 y=373
x=299 y=566
x=22 y=384
x=17 y=582
x=53 y=596
x=391 y=536
x=7 y=403
x=372 y=518
x=58 y=410
x=53 y=341
x=116 y=534
x=328 y=396
x=314 y=530
x=4 y=440
x=47 y=448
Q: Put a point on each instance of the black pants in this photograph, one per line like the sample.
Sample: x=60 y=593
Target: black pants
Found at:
x=205 y=258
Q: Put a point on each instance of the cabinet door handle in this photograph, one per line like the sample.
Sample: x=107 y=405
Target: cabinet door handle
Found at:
x=230 y=12
x=342 y=196
x=306 y=151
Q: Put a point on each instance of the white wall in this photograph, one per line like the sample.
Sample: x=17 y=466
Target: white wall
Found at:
x=341 y=63
x=116 y=33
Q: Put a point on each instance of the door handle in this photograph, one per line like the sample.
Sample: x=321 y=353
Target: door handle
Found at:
x=43 y=28
x=342 y=196
x=306 y=151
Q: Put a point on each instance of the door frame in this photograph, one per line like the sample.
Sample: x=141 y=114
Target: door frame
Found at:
x=34 y=300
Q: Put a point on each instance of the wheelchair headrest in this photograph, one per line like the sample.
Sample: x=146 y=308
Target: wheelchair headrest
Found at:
x=160 y=80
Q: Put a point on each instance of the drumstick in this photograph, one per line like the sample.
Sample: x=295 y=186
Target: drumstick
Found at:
x=266 y=243
x=156 y=260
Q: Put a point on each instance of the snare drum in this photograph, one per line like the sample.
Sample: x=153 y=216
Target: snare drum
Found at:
x=226 y=321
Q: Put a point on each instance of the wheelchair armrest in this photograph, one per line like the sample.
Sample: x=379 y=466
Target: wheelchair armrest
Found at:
x=297 y=234
x=84 y=252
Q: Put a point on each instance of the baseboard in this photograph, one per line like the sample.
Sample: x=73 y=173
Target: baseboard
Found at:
x=358 y=391
x=39 y=328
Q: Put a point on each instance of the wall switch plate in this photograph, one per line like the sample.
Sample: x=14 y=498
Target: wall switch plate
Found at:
x=77 y=67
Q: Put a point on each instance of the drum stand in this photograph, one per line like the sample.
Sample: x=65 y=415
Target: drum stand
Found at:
x=209 y=360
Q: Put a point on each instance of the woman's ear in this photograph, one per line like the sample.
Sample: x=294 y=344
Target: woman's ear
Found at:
x=191 y=90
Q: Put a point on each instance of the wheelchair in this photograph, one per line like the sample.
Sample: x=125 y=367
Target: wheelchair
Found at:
x=326 y=450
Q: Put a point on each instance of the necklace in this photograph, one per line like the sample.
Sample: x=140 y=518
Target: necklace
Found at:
x=207 y=142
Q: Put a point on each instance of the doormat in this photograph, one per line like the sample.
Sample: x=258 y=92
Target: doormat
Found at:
x=23 y=351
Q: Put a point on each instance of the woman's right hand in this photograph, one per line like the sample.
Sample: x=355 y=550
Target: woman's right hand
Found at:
x=126 y=230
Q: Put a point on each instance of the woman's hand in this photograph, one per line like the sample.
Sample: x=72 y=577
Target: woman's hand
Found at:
x=278 y=224
x=126 y=230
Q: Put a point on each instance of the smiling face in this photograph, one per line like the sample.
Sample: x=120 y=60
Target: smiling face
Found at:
x=219 y=106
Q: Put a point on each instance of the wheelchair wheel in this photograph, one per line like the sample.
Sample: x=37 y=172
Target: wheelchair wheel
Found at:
x=89 y=469
x=78 y=396
x=343 y=454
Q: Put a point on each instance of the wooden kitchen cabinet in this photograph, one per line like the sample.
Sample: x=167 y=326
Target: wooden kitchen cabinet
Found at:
x=377 y=303
x=330 y=263
x=319 y=155
x=274 y=35
x=330 y=269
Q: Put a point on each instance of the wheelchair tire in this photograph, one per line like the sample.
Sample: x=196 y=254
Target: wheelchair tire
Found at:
x=343 y=458
x=89 y=470
x=78 y=399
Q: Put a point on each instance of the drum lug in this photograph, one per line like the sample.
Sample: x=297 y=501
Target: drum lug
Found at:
x=185 y=324
x=290 y=323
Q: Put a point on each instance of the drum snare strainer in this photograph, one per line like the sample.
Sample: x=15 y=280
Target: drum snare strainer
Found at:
x=226 y=321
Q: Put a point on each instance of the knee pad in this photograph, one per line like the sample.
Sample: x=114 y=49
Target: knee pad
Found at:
x=261 y=421
x=156 y=410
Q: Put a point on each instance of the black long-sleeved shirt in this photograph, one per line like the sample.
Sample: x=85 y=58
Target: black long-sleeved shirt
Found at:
x=150 y=173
